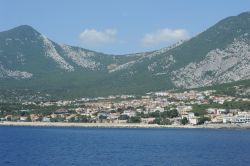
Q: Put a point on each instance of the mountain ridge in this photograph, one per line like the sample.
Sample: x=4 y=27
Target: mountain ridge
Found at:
x=220 y=54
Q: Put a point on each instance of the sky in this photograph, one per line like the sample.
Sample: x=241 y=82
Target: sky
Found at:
x=118 y=26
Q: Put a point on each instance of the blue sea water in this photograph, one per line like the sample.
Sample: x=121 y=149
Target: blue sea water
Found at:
x=51 y=146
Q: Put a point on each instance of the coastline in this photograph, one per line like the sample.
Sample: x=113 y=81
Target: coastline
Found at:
x=124 y=125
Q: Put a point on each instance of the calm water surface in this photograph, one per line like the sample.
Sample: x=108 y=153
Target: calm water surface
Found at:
x=31 y=146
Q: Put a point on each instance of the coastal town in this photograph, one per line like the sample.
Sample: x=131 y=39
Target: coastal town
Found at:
x=156 y=108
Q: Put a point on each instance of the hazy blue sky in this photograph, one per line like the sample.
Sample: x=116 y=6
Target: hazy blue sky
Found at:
x=118 y=26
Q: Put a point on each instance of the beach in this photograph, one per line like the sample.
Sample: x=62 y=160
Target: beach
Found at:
x=122 y=125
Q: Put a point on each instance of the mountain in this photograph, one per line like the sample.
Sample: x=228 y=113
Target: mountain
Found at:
x=218 y=55
x=30 y=60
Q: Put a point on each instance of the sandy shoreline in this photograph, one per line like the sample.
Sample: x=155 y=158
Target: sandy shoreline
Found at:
x=123 y=125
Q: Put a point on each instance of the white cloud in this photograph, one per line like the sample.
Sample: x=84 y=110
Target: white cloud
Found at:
x=93 y=37
x=164 y=36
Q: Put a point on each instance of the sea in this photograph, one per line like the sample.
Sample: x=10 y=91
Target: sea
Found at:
x=61 y=146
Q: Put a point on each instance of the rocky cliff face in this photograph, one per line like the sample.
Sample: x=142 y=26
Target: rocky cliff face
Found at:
x=219 y=66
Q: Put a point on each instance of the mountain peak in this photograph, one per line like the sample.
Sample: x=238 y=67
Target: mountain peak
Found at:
x=22 y=30
x=25 y=28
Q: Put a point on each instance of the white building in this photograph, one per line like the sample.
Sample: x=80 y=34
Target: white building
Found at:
x=193 y=121
x=192 y=118
x=129 y=113
x=227 y=119
x=46 y=119
x=241 y=119
x=216 y=111
x=23 y=118
x=191 y=115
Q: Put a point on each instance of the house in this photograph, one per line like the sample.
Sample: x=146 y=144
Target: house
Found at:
x=221 y=111
x=234 y=111
x=129 y=113
x=216 y=111
x=241 y=119
x=53 y=116
x=61 y=111
x=102 y=114
x=139 y=110
x=217 y=119
x=182 y=110
x=227 y=118
x=193 y=121
x=79 y=110
x=23 y=118
x=243 y=113
x=192 y=118
x=191 y=115
x=46 y=119
x=35 y=117
x=113 y=116
x=158 y=109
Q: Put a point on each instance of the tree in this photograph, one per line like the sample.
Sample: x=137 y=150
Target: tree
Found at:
x=134 y=119
x=196 y=114
x=169 y=114
x=130 y=108
x=162 y=121
x=113 y=111
x=120 y=110
x=83 y=118
x=142 y=115
x=157 y=121
x=202 y=120
x=155 y=114
x=102 y=118
x=28 y=119
x=173 y=113
x=184 y=121
x=165 y=121
x=123 y=117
